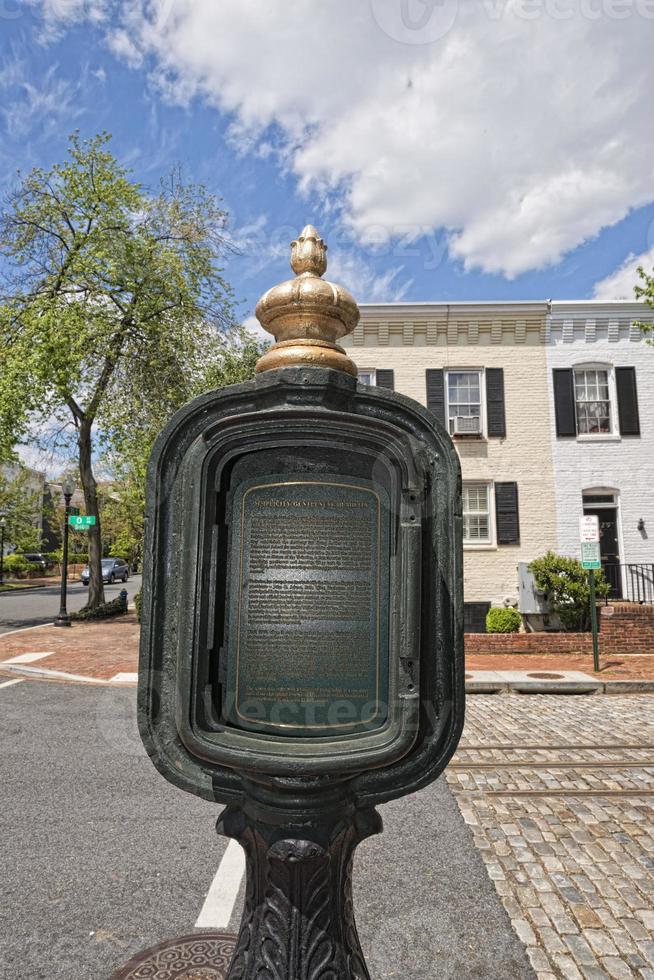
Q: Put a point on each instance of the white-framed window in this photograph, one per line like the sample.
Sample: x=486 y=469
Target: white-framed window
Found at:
x=593 y=401
x=477 y=522
x=464 y=397
x=367 y=376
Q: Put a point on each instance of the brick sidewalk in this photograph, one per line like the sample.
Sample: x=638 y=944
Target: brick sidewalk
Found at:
x=99 y=650
x=104 y=649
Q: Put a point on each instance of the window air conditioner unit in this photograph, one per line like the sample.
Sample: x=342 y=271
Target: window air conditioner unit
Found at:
x=466 y=425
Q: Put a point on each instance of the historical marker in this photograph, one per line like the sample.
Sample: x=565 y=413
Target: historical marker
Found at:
x=309 y=652
x=302 y=618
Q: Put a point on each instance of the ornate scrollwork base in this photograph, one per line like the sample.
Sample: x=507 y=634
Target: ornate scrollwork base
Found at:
x=298 y=920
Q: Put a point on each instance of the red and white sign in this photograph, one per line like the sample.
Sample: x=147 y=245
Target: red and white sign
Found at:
x=589 y=528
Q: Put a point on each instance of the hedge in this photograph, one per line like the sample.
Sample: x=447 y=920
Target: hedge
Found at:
x=117 y=607
x=503 y=620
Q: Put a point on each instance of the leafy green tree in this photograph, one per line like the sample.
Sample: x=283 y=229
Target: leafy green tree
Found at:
x=132 y=436
x=644 y=291
x=115 y=301
x=21 y=507
x=565 y=583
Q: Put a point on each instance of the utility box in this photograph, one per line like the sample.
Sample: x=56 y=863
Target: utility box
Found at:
x=531 y=601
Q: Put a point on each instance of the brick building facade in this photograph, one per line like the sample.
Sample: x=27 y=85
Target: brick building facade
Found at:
x=494 y=373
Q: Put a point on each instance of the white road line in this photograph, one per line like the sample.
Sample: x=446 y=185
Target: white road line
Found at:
x=219 y=903
x=9 y=683
x=57 y=674
x=124 y=678
x=24 y=629
x=27 y=658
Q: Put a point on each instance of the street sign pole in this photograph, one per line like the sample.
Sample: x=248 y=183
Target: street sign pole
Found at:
x=3 y=524
x=593 y=619
x=63 y=619
x=589 y=536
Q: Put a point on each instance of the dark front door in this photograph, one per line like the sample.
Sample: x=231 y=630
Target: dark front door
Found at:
x=609 y=549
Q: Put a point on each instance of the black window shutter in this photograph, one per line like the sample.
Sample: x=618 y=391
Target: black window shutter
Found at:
x=507 y=519
x=385 y=378
x=495 y=402
x=474 y=616
x=625 y=382
x=435 y=378
x=564 y=402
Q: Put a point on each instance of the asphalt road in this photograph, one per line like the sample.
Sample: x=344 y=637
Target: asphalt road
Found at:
x=102 y=858
x=33 y=607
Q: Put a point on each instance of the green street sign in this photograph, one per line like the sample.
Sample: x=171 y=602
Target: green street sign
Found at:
x=590 y=555
x=81 y=523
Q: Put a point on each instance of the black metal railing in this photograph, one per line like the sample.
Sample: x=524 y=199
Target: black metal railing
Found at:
x=630 y=582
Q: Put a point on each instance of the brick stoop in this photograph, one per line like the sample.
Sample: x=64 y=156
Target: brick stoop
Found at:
x=625 y=628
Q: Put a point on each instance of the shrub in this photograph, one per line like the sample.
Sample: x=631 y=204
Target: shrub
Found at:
x=137 y=605
x=117 y=607
x=15 y=566
x=501 y=620
x=565 y=584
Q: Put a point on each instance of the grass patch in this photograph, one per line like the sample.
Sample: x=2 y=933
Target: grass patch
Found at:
x=17 y=586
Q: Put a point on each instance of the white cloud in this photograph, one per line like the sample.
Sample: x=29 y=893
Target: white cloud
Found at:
x=519 y=126
x=59 y=14
x=123 y=47
x=620 y=284
x=29 y=106
x=253 y=327
x=364 y=282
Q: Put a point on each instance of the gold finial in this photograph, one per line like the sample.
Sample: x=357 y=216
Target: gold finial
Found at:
x=308 y=314
x=309 y=253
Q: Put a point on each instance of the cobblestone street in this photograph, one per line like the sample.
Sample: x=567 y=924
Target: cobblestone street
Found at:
x=559 y=794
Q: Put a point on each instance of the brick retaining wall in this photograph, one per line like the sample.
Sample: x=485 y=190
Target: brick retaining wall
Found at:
x=625 y=627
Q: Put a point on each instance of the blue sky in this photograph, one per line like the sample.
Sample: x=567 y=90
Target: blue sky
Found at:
x=446 y=150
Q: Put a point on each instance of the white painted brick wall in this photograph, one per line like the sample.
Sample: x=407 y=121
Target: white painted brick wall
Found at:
x=624 y=464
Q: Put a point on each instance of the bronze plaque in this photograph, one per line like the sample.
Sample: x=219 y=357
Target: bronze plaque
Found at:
x=308 y=631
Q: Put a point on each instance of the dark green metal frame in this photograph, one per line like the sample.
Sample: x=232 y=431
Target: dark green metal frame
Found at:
x=300 y=806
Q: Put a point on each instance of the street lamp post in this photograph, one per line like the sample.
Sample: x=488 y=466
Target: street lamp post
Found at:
x=63 y=619
x=3 y=524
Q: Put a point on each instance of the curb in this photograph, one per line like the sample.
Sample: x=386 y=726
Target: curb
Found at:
x=33 y=585
x=42 y=673
x=560 y=687
x=628 y=687
x=503 y=686
x=22 y=588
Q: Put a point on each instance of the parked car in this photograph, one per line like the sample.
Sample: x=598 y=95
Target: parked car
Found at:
x=113 y=569
x=36 y=558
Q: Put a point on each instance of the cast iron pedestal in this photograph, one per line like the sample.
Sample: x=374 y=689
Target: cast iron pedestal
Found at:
x=298 y=919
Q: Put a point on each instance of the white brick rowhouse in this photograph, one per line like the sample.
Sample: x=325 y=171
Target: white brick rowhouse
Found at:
x=487 y=371
x=596 y=352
